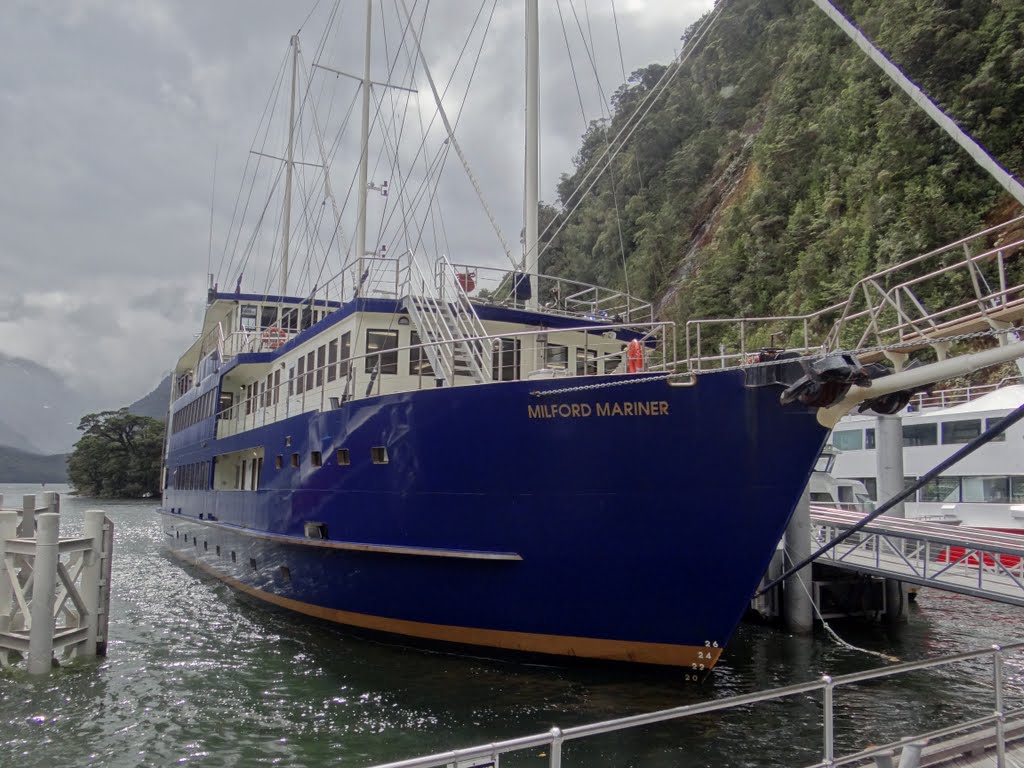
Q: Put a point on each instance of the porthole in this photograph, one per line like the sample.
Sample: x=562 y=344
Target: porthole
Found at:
x=343 y=458
x=379 y=454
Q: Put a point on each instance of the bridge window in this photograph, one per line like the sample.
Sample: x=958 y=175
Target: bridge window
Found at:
x=345 y=353
x=268 y=316
x=300 y=378
x=1017 y=489
x=290 y=319
x=321 y=354
x=941 y=489
x=989 y=423
x=992 y=489
x=332 y=359
x=310 y=368
x=960 y=431
x=247 y=317
x=382 y=350
x=920 y=434
x=848 y=440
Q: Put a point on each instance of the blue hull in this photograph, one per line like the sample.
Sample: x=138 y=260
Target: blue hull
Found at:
x=629 y=522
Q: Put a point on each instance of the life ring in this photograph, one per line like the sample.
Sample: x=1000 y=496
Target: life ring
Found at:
x=634 y=356
x=274 y=336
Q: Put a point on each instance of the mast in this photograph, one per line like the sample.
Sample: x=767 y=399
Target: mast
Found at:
x=364 y=155
x=531 y=193
x=290 y=165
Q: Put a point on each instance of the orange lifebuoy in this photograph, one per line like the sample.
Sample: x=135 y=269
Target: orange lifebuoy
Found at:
x=274 y=336
x=634 y=356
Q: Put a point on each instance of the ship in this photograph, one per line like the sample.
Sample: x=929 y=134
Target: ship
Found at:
x=487 y=457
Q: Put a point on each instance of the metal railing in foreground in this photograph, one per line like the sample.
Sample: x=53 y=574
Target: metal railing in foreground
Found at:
x=906 y=304
x=555 y=739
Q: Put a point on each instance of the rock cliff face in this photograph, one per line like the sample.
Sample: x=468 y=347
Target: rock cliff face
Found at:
x=39 y=412
x=778 y=165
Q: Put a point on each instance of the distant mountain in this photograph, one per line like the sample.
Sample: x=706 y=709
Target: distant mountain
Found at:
x=22 y=467
x=38 y=408
x=155 y=403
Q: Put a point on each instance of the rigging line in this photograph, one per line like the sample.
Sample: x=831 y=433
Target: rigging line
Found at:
x=271 y=100
x=213 y=200
x=451 y=79
x=572 y=64
x=259 y=221
x=625 y=83
x=989 y=434
x=590 y=56
x=646 y=104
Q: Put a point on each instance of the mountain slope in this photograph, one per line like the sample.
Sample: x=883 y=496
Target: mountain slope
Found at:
x=22 y=467
x=155 y=403
x=780 y=166
x=38 y=405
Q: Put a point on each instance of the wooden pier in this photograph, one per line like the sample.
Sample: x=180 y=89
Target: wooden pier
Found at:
x=54 y=592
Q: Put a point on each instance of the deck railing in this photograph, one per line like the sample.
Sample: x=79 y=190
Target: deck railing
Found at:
x=826 y=687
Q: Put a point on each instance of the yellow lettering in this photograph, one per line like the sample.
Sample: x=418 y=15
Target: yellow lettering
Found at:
x=564 y=410
x=643 y=408
x=585 y=409
x=535 y=411
x=575 y=410
x=617 y=409
x=664 y=408
x=627 y=408
x=603 y=409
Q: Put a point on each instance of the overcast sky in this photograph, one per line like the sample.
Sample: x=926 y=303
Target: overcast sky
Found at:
x=112 y=113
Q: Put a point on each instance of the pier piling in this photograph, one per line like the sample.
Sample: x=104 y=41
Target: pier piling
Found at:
x=44 y=594
x=889 y=457
x=798 y=608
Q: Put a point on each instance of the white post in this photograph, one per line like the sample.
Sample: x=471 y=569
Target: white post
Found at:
x=8 y=530
x=27 y=529
x=44 y=582
x=797 y=591
x=889 y=458
x=286 y=228
x=91 y=578
x=364 y=153
x=531 y=247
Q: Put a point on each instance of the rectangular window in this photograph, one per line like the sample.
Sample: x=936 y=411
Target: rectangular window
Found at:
x=310 y=365
x=279 y=462
x=612 y=362
x=307 y=318
x=419 y=365
x=379 y=454
x=268 y=316
x=586 y=362
x=941 y=489
x=989 y=423
x=321 y=358
x=248 y=399
x=300 y=379
x=960 y=431
x=247 y=317
x=920 y=434
x=991 y=489
x=505 y=363
x=291 y=381
x=316 y=458
x=382 y=351
x=277 y=385
x=290 y=319
x=345 y=353
x=556 y=356
x=295 y=460
x=869 y=439
x=332 y=360
x=263 y=394
x=848 y=440
x=343 y=458
x=871 y=486
x=1017 y=489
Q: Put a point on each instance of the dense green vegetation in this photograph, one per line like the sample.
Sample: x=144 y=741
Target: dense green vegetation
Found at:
x=118 y=455
x=23 y=467
x=780 y=166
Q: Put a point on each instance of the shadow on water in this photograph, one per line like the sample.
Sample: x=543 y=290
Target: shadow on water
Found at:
x=197 y=674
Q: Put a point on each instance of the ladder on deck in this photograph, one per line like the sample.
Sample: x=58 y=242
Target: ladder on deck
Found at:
x=448 y=325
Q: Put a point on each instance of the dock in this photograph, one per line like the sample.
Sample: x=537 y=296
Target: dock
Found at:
x=995 y=737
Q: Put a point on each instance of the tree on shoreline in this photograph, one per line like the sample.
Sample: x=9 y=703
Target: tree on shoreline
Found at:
x=118 y=455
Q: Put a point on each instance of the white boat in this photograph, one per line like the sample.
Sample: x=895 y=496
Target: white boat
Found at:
x=985 y=490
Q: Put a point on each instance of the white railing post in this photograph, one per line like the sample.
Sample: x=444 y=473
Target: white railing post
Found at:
x=44 y=582
x=556 y=748
x=93 y=529
x=8 y=530
x=829 y=725
x=997 y=665
x=27 y=528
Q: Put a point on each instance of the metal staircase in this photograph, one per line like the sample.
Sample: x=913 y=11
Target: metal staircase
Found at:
x=447 y=323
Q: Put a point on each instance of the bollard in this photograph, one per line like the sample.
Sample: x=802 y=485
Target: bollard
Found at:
x=91 y=579
x=911 y=756
x=884 y=759
x=8 y=530
x=44 y=583
x=27 y=529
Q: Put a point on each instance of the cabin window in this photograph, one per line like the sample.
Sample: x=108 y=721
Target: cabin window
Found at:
x=263 y=394
x=382 y=351
x=290 y=319
x=821 y=497
x=989 y=423
x=848 y=440
x=419 y=365
x=295 y=460
x=332 y=359
x=310 y=365
x=345 y=353
x=307 y=317
x=1017 y=489
x=291 y=381
x=268 y=316
x=277 y=385
x=505 y=362
x=871 y=486
x=960 y=431
x=991 y=489
x=379 y=454
x=343 y=458
x=279 y=462
x=321 y=356
x=920 y=434
x=556 y=356
x=869 y=439
x=247 y=317
x=317 y=458
x=941 y=489
x=300 y=380
x=586 y=362
x=245 y=474
x=613 y=361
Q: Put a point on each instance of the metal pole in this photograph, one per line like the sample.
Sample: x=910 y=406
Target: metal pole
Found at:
x=532 y=177
x=1000 y=714
x=889 y=460
x=796 y=594
x=364 y=152
x=8 y=530
x=44 y=582
x=93 y=529
x=828 y=724
x=555 y=760
x=286 y=227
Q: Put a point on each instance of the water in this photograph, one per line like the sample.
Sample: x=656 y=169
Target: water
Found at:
x=197 y=675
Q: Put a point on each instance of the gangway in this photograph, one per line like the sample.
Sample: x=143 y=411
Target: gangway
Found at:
x=966 y=561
